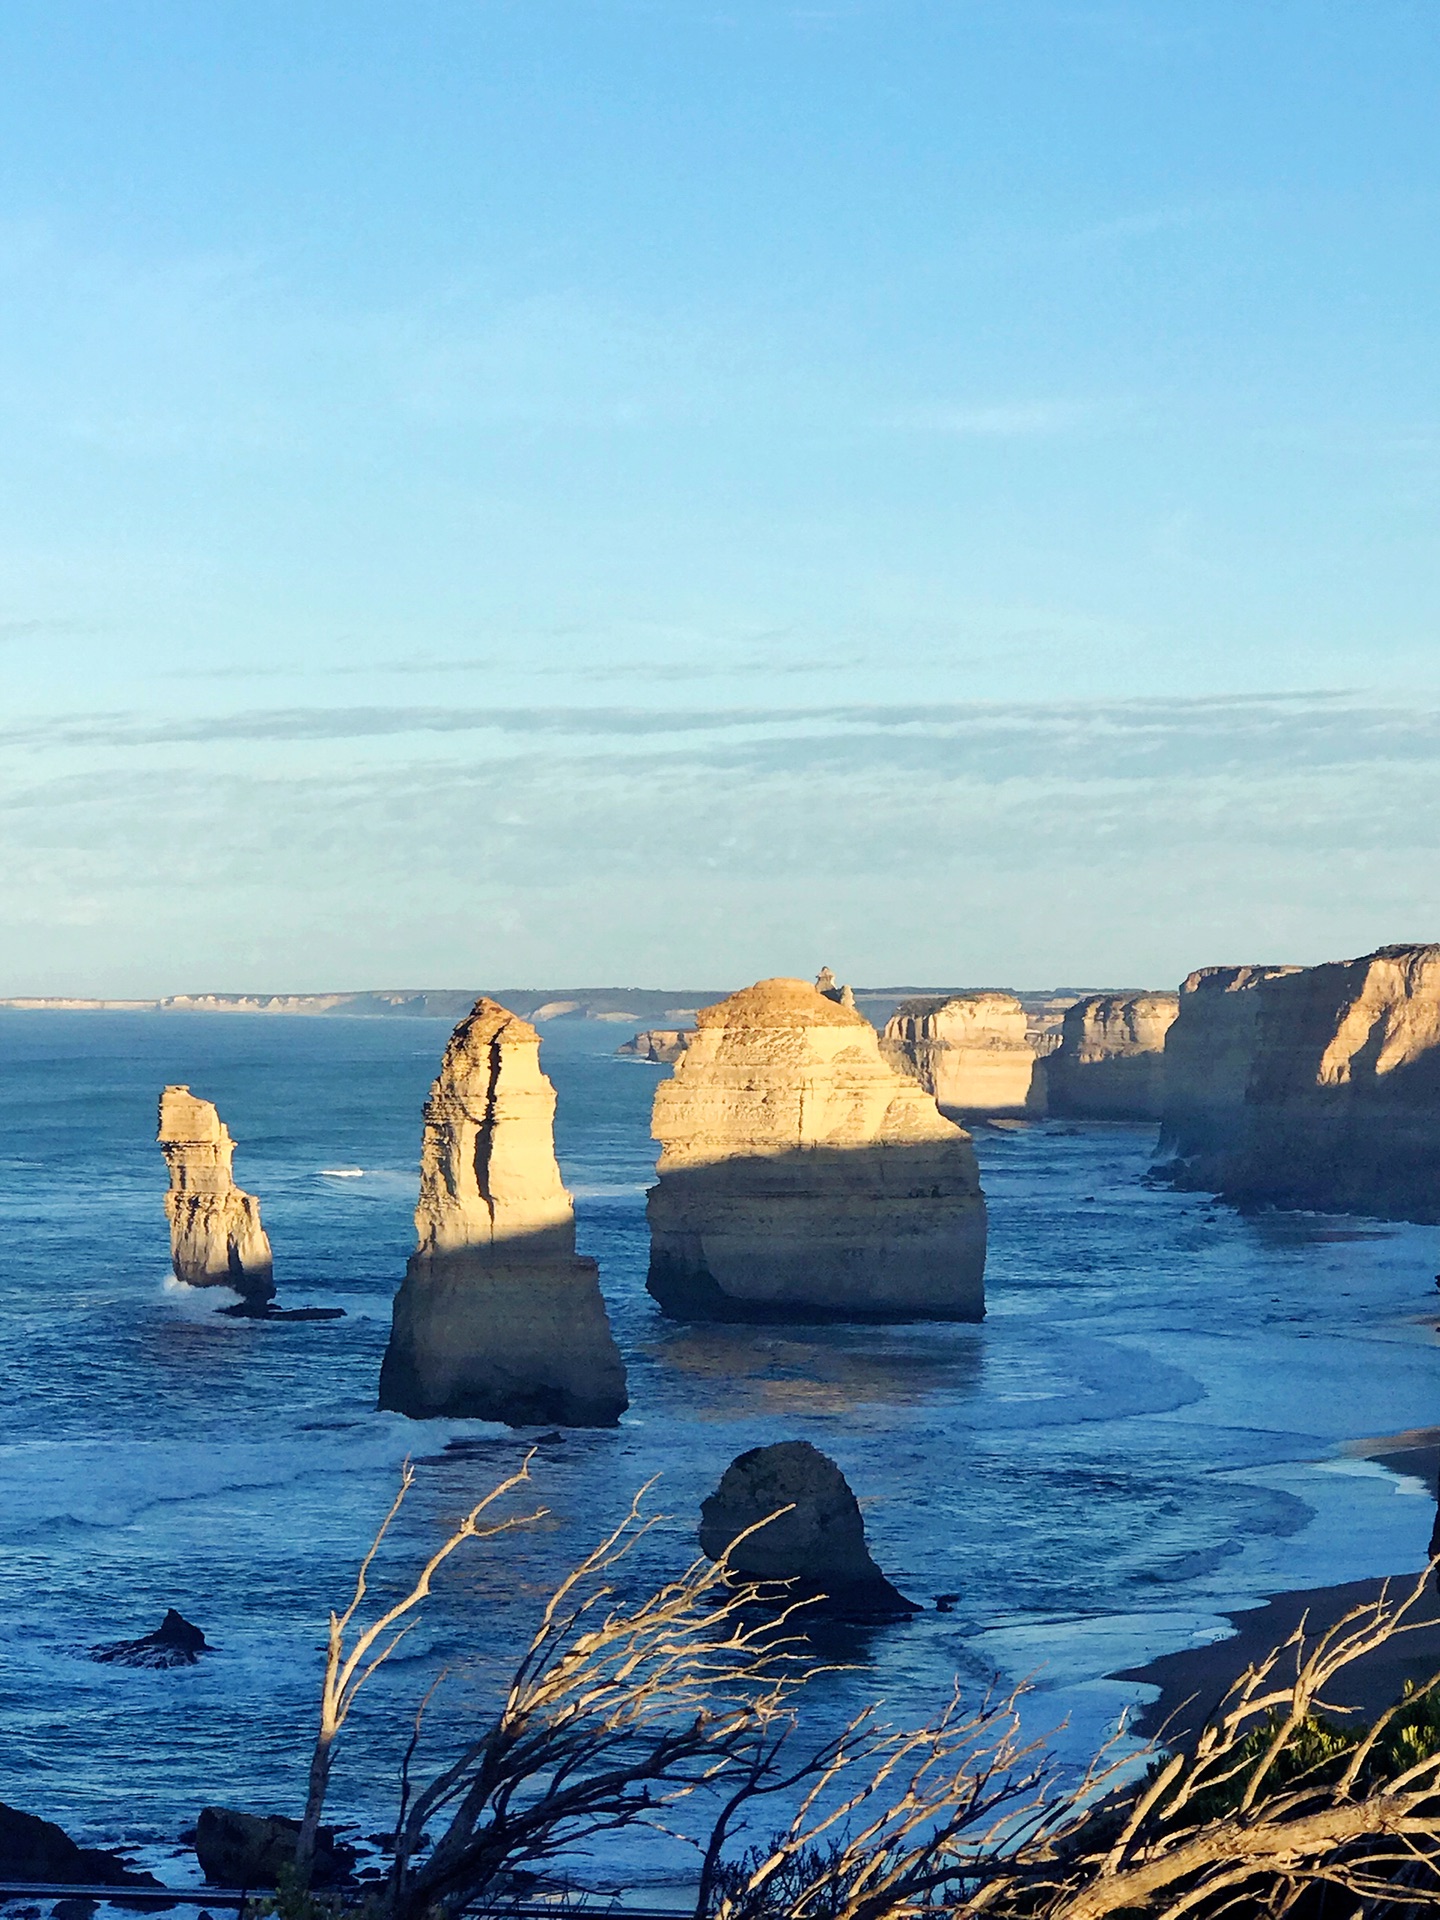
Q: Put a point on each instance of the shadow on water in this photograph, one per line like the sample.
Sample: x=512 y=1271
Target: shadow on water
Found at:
x=797 y=1370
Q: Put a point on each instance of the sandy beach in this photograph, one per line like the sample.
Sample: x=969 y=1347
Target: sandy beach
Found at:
x=1194 y=1681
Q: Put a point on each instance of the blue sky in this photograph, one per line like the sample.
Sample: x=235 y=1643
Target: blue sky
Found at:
x=651 y=492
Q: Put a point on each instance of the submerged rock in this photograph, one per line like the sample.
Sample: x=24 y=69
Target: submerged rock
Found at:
x=238 y=1849
x=802 y=1178
x=1111 y=1060
x=818 y=1548
x=1312 y=1087
x=216 y=1239
x=498 y=1318
x=174 y=1643
x=37 y=1850
x=974 y=1051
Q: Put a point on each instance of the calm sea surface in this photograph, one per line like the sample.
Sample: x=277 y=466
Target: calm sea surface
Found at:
x=1148 y=1426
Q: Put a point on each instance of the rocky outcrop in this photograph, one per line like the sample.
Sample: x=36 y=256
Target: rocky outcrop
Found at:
x=662 y=1046
x=238 y=1849
x=1310 y=1087
x=802 y=1178
x=817 y=1548
x=32 y=1849
x=1111 y=1060
x=974 y=1051
x=176 y=1642
x=498 y=1318
x=216 y=1239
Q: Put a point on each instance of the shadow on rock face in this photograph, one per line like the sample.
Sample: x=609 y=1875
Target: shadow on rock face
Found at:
x=888 y=1232
x=785 y=1514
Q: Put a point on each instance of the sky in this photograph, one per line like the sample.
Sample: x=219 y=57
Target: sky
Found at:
x=665 y=492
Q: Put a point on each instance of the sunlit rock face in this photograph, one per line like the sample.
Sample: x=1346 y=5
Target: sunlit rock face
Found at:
x=216 y=1239
x=1111 y=1060
x=498 y=1318
x=803 y=1178
x=1327 y=1091
x=973 y=1052
x=786 y=1514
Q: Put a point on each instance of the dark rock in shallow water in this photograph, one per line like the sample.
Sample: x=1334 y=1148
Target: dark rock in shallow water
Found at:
x=37 y=1850
x=238 y=1849
x=174 y=1643
x=818 y=1548
x=267 y=1310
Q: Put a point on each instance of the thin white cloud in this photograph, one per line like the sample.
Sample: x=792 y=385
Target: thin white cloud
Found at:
x=1014 y=419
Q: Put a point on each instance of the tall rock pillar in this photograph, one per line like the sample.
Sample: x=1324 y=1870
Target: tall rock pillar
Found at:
x=216 y=1239
x=803 y=1178
x=498 y=1318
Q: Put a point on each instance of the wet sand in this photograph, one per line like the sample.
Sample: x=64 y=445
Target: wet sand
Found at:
x=1193 y=1682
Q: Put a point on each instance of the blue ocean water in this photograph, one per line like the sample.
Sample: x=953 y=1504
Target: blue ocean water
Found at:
x=1147 y=1428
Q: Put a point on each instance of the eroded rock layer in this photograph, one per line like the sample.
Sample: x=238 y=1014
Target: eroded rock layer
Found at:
x=216 y=1239
x=803 y=1178
x=974 y=1052
x=817 y=1548
x=1311 y=1087
x=1111 y=1060
x=498 y=1318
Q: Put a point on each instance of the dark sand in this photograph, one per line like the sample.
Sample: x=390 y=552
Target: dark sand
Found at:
x=1192 y=1683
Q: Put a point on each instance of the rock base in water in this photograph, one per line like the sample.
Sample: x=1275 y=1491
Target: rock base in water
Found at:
x=174 y=1643
x=249 y=1850
x=472 y=1339
x=817 y=1549
x=37 y=1850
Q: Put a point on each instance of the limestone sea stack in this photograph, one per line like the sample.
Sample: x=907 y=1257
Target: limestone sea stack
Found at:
x=818 y=1548
x=498 y=1318
x=802 y=1178
x=1314 y=1087
x=216 y=1239
x=973 y=1051
x=661 y=1046
x=1111 y=1061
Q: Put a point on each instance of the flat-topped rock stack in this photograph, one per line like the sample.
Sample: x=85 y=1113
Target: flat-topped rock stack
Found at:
x=498 y=1318
x=216 y=1239
x=1310 y=1086
x=803 y=1178
x=1110 y=1064
x=973 y=1051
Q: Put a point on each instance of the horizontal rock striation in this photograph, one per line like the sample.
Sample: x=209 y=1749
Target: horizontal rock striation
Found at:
x=1110 y=1064
x=498 y=1318
x=803 y=1178
x=1310 y=1087
x=216 y=1239
x=975 y=1052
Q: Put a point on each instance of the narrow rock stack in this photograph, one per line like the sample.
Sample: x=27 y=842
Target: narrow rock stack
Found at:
x=802 y=1178
x=498 y=1318
x=216 y=1239
x=974 y=1052
x=1111 y=1060
x=1313 y=1087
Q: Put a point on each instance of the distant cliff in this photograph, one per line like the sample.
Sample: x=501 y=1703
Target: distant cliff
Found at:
x=1110 y=1064
x=1310 y=1086
x=974 y=1051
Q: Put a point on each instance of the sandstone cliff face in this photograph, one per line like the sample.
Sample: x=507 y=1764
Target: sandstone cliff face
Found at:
x=974 y=1052
x=1338 y=1086
x=1209 y=1052
x=498 y=1318
x=818 y=1548
x=1111 y=1061
x=803 y=1178
x=216 y=1239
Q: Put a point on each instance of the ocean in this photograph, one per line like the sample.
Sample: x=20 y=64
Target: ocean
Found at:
x=1148 y=1428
